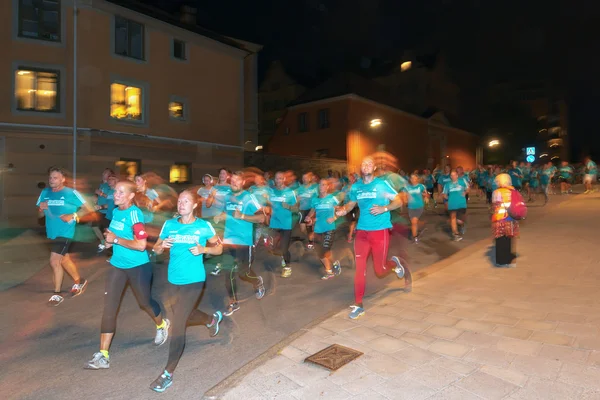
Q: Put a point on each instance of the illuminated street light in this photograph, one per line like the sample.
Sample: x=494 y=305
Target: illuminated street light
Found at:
x=494 y=143
x=257 y=148
x=375 y=123
x=405 y=66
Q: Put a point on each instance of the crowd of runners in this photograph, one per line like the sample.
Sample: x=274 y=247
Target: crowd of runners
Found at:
x=143 y=221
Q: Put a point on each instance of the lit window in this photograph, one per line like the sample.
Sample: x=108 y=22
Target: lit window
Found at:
x=303 y=122
x=40 y=19
x=176 y=110
x=128 y=167
x=405 y=66
x=324 y=118
x=125 y=102
x=179 y=49
x=36 y=90
x=129 y=38
x=180 y=173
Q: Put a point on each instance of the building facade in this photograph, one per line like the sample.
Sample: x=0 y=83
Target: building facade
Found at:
x=140 y=91
x=350 y=127
x=553 y=133
x=276 y=91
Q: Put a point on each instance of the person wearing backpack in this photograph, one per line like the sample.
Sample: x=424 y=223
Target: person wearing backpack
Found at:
x=505 y=226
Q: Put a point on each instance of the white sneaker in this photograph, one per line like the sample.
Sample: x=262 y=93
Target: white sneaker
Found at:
x=55 y=300
x=162 y=334
x=97 y=362
x=217 y=270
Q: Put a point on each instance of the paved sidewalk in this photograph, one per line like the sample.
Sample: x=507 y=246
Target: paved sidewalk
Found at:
x=469 y=331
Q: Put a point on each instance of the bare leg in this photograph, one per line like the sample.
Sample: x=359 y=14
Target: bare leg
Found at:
x=71 y=269
x=57 y=271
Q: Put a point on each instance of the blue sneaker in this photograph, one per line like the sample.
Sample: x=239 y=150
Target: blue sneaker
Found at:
x=213 y=327
x=399 y=270
x=162 y=383
x=356 y=312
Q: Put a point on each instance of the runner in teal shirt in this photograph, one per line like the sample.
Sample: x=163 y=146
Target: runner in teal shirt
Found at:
x=455 y=192
x=306 y=193
x=283 y=203
x=322 y=216
x=188 y=238
x=416 y=193
x=59 y=205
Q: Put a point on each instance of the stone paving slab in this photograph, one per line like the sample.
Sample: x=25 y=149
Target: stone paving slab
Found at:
x=469 y=331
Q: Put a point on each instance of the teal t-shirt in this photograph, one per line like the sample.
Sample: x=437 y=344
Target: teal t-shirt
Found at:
x=516 y=175
x=122 y=226
x=591 y=167
x=456 y=195
x=566 y=172
x=239 y=231
x=207 y=212
x=306 y=194
x=378 y=192
x=261 y=193
x=281 y=218
x=65 y=201
x=104 y=188
x=415 y=196
x=428 y=180
x=444 y=179
x=221 y=193
x=395 y=180
x=110 y=203
x=184 y=267
x=324 y=209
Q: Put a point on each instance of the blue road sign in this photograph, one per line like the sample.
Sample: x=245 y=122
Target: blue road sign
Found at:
x=530 y=158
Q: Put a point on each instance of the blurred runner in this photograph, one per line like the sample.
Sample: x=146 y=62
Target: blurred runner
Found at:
x=60 y=206
x=241 y=213
x=455 y=193
x=216 y=201
x=322 y=216
x=188 y=238
x=417 y=196
x=591 y=175
x=375 y=198
x=306 y=193
x=565 y=175
x=261 y=191
x=283 y=203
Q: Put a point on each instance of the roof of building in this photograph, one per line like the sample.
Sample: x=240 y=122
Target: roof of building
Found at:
x=170 y=18
x=348 y=83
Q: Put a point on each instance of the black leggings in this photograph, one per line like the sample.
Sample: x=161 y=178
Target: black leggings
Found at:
x=243 y=256
x=140 y=280
x=184 y=300
x=285 y=236
x=504 y=254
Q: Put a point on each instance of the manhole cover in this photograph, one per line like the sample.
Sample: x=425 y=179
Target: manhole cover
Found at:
x=334 y=357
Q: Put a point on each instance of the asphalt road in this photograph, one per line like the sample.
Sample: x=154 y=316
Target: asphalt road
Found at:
x=43 y=350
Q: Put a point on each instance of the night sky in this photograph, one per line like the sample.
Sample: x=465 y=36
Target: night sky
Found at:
x=484 y=42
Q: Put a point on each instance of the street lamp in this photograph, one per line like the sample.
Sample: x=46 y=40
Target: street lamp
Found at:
x=494 y=143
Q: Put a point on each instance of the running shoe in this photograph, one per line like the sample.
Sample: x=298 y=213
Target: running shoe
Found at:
x=337 y=268
x=456 y=237
x=286 y=272
x=162 y=383
x=217 y=270
x=310 y=246
x=79 y=288
x=233 y=307
x=162 y=334
x=101 y=248
x=213 y=327
x=260 y=288
x=98 y=361
x=399 y=270
x=55 y=300
x=356 y=312
x=328 y=275
x=416 y=240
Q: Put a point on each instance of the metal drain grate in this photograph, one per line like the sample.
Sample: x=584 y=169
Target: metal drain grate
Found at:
x=334 y=357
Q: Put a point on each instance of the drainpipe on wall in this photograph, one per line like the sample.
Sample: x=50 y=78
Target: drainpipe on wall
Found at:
x=75 y=11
